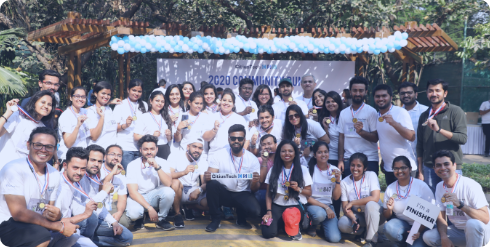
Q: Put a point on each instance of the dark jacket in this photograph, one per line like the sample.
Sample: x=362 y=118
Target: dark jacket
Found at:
x=451 y=118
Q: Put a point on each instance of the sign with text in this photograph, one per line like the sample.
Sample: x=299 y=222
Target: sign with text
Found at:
x=330 y=75
x=422 y=211
x=246 y=176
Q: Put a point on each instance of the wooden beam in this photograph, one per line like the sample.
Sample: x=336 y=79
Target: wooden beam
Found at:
x=71 y=73
x=78 y=71
x=34 y=35
x=106 y=36
x=127 y=57
x=413 y=55
x=121 y=76
x=411 y=71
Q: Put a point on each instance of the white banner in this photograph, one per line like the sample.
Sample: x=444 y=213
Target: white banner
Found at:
x=330 y=75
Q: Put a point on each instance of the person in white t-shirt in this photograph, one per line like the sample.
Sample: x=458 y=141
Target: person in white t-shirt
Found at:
x=245 y=106
x=465 y=199
x=485 y=123
x=16 y=124
x=308 y=83
x=358 y=128
x=360 y=196
x=175 y=107
x=267 y=125
x=286 y=89
x=149 y=182
x=187 y=89
x=210 y=103
x=156 y=122
x=318 y=102
x=395 y=131
x=127 y=115
x=325 y=190
x=396 y=199
x=231 y=192
x=162 y=83
x=72 y=126
x=101 y=120
x=187 y=169
x=288 y=185
x=29 y=187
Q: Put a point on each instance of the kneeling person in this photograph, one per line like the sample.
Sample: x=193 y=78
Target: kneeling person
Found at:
x=187 y=169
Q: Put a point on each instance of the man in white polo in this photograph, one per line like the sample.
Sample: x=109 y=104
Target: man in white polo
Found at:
x=308 y=83
x=465 y=199
x=244 y=104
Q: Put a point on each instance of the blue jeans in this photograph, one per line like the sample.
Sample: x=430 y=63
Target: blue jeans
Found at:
x=396 y=231
x=431 y=178
x=160 y=198
x=104 y=236
x=330 y=226
x=129 y=156
x=475 y=234
x=372 y=166
x=260 y=196
x=88 y=226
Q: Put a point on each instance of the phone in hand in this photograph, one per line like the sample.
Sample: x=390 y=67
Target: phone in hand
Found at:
x=268 y=223
x=185 y=117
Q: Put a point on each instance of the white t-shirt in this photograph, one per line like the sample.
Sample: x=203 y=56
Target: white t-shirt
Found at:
x=241 y=104
x=66 y=124
x=179 y=161
x=109 y=130
x=122 y=111
x=276 y=131
x=173 y=111
x=222 y=160
x=485 y=119
x=279 y=200
x=198 y=125
x=148 y=125
x=419 y=188
x=13 y=144
x=308 y=101
x=120 y=186
x=315 y=130
x=333 y=134
x=391 y=143
x=369 y=184
x=467 y=190
x=220 y=141
x=415 y=115
x=280 y=108
x=146 y=178
x=322 y=188
x=353 y=142
x=17 y=178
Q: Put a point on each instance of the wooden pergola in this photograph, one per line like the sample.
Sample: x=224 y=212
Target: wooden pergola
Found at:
x=80 y=35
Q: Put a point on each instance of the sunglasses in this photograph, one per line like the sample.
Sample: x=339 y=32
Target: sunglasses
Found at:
x=234 y=139
x=293 y=116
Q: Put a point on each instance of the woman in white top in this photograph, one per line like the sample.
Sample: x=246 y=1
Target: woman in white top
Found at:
x=267 y=124
x=16 y=124
x=210 y=100
x=127 y=114
x=301 y=130
x=396 y=198
x=263 y=96
x=287 y=181
x=72 y=125
x=101 y=120
x=318 y=100
x=156 y=122
x=360 y=196
x=224 y=119
x=326 y=188
x=187 y=89
x=174 y=105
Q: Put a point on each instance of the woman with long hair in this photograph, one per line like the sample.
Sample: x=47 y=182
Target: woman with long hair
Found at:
x=360 y=196
x=156 y=122
x=72 y=124
x=101 y=120
x=16 y=124
x=263 y=96
x=326 y=188
x=396 y=198
x=288 y=185
x=318 y=99
x=187 y=89
x=329 y=118
x=211 y=104
x=174 y=105
x=301 y=130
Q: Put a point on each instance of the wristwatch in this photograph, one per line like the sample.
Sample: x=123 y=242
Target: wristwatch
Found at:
x=439 y=130
x=200 y=190
x=300 y=190
x=461 y=204
x=159 y=167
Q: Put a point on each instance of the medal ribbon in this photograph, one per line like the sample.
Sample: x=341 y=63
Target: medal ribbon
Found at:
x=455 y=185
x=192 y=123
x=159 y=124
x=245 y=102
x=225 y=118
x=408 y=190
x=241 y=161
x=79 y=189
x=329 y=171
x=358 y=192
x=133 y=111
x=307 y=104
x=95 y=180
x=379 y=113
x=432 y=115
x=73 y=111
x=297 y=131
x=355 y=112
x=332 y=119
x=286 y=177
x=143 y=164
x=317 y=107
x=44 y=188
x=107 y=170
x=170 y=108
x=212 y=108
x=27 y=114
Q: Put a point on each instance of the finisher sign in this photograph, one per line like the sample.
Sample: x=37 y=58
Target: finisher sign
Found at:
x=330 y=75
x=422 y=212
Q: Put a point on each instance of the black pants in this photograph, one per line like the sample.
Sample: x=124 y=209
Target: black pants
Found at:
x=14 y=233
x=486 y=131
x=390 y=177
x=245 y=202
x=336 y=203
x=163 y=151
x=276 y=210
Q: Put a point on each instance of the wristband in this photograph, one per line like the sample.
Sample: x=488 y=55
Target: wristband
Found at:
x=439 y=130
x=337 y=182
x=62 y=227
x=159 y=167
x=6 y=120
x=269 y=210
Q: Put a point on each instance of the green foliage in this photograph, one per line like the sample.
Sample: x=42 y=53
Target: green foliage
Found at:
x=480 y=173
x=478 y=46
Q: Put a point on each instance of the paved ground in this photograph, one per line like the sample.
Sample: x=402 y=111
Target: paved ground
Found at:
x=480 y=159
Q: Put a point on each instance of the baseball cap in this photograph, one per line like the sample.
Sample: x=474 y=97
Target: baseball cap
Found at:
x=285 y=80
x=291 y=217
x=196 y=139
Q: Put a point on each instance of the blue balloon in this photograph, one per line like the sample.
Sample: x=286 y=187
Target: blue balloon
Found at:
x=398 y=47
x=137 y=47
x=114 y=38
x=384 y=49
x=143 y=50
x=376 y=52
x=404 y=35
x=120 y=50
x=236 y=49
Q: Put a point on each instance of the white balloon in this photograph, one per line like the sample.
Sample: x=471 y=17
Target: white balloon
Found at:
x=148 y=46
x=114 y=47
x=121 y=43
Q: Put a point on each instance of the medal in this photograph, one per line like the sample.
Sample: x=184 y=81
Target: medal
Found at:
x=328 y=121
x=359 y=210
x=432 y=115
x=134 y=118
x=380 y=119
x=196 y=166
x=333 y=180
x=147 y=165
x=425 y=123
x=290 y=99
x=102 y=108
x=100 y=205
x=253 y=110
x=123 y=172
x=286 y=198
x=14 y=108
x=266 y=154
x=41 y=205
x=354 y=120
x=298 y=135
x=286 y=191
x=314 y=111
x=443 y=199
x=112 y=191
x=394 y=196
x=287 y=184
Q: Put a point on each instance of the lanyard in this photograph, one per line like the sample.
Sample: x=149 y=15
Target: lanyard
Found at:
x=107 y=170
x=408 y=190
x=133 y=111
x=263 y=131
x=432 y=115
x=212 y=108
x=77 y=188
x=455 y=185
x=192 y=123
x=225 y=118
x=357 y=111
x=379 y=113
x=44 y=188
x=159 y=124
x=27 y=114
x=240 y=162
x=329 y=171
x=307 y=104
x=245 y=102
x=95 y=180
x=358 y=192
x=286 y=177
x=73 y=111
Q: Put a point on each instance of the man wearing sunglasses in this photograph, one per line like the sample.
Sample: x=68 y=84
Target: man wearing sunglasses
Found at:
x=230 y=192
x=48 y=80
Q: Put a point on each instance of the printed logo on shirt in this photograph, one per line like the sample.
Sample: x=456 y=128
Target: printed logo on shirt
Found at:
x=9 y=185
x=50 y=189
x=445 y=117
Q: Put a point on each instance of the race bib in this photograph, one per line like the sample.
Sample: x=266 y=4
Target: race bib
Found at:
x=322 y=190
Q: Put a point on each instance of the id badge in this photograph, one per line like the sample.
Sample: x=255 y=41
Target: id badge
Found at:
x=322 y=190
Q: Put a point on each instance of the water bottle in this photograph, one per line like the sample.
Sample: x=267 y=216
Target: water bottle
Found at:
x=449 y=208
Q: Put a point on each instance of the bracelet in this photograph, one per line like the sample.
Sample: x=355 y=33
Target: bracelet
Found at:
x=439 y=131
x=122 y=127
x=160 y=167
x=6 y=120
x=62 y=227
x=263 y=166
x=269 y=209
x=337 y=182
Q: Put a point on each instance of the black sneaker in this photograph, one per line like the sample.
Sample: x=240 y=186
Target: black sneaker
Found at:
x=179 y=221
x=369 y=244
x=244 y=224
x=298 y=237
x=136 y=225
x=215 y=224
x=311 y=231
x=165 y=225
x=189 y=215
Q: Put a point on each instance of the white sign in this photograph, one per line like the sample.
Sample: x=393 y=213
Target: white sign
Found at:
x=422 y=212
x=246 y=176
x=330 y=75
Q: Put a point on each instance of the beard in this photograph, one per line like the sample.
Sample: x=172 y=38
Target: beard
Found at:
x=195 y=155
x=89 y=171
x=384 y=107
x=358 y=101
x=409 y=101
x=236 y=149
x=288 y=93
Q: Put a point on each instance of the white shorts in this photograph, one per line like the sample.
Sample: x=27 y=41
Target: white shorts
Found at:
x=186 y=192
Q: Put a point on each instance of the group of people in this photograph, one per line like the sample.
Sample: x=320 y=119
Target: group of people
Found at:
x=93 y=174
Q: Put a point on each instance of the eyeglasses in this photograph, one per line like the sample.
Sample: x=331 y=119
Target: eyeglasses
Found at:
x=76 y=96
x=406 y=93
x=117 y=155
x=234 y=139
x=399 y=169
x=48 y=83
x=293 y=116
x=39 y=146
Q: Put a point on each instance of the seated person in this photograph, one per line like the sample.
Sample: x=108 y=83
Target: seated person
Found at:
x=149 y=184
x=187 y=169
x=233 y=192
x=470 y=216
x=268 y=145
